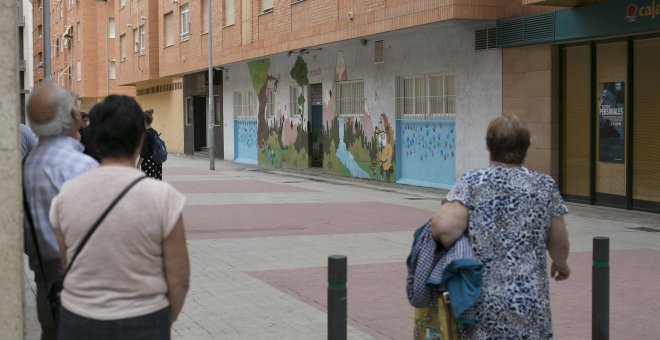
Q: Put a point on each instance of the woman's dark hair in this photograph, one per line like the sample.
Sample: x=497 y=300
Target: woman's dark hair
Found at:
x=507 y=139
x=117 y=126
x=148 y=116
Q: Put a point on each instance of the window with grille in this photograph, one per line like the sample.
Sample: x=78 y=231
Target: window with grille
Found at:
x=111 y=28
x=136 y=40
x=122 y=47
x=78 y=70
x=142 y=41
x=350 y=98
x=485 y=39
x=205 y=16
x=113 y=70
x=122 y=4
x=185 y=22
x=189 y=111
x=78 y=32
x=266 y=6
x=57 y=46
x=270 y=103
x=169 y=29
x=245 y=104
x=423 y=96
x=293 y=101
x=229 y=12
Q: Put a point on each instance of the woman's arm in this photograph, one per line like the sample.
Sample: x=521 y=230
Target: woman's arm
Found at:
x=449 y=223
x=177 y=268
x=558 y=248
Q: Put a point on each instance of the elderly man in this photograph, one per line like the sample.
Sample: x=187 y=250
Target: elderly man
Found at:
x=57 y=158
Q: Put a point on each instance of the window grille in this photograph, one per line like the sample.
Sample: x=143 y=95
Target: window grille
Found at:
x=78 y=32
x=245 y=104
x=122 y=46
x=78 y=70
x=270 y=105
x=350 y=98
x=169 y=29
x=136 y=40
x=111 y=28
x=379 y=55
x=293 y=101
x=424 y=96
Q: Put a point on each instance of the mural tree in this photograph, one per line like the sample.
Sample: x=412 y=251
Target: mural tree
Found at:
x=299 y=74
x=260 y=78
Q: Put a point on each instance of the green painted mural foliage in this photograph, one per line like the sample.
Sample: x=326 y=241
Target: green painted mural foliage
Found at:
x=260 y=78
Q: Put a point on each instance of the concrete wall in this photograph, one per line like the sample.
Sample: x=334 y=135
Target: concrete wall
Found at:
x=168 y=112
x=11 y=231
x=530 y=90
x=441 y=48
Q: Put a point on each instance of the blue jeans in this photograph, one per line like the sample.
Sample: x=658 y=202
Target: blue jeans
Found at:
x=151 y=326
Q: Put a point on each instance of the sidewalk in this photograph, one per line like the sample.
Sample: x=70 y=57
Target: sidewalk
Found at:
x=259 y=241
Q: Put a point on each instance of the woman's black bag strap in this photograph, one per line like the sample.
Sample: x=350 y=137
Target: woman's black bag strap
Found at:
x=101 y=218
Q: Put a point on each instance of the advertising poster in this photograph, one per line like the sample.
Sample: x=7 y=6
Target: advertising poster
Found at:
x=610 y=122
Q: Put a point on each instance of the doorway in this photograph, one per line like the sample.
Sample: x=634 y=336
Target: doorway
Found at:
x=199 y=112
x=316 y=118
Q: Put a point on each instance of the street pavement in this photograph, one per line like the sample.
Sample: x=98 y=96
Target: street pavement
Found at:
x=259 y=240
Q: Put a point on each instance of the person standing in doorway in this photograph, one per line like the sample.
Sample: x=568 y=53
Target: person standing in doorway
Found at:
x=146 y=163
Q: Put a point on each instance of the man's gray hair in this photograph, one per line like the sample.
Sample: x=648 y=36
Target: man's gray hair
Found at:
x=59 y=101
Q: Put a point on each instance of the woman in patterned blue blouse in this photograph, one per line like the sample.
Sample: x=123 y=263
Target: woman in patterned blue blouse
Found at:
x=512 y=216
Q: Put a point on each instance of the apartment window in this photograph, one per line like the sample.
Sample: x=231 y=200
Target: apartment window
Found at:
x=422 y=96
x=246 y=21
x=122 y=4
x=39 y=5
x=169 y=29
x=229 y=12
x=78 y=70
x=113 y=70
x=40 y=31
x=40 y=57
x=270 y=103
x=61 y=9
x=136 y=40
x=111 y=28
x=293 y=101
x=57 y=46
x=245 y=104
x=122 y=47
x=142 y=41
x=189 y=111
x=266 y=6
x=185 y=22
x=205 y=16
x=78 y=32
x=350 y=98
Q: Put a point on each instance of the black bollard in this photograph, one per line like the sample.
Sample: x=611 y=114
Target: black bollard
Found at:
x=337 y=300
x=600 y=293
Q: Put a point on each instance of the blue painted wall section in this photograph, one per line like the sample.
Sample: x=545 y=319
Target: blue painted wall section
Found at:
x=427 y=152
x=245 y=132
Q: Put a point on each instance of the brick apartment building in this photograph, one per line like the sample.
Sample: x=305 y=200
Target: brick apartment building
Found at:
x=400 y=90
x=78 y=48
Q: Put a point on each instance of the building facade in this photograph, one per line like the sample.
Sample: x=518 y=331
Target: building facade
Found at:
x=596 y=67
x=25 y=61
x=80 y=32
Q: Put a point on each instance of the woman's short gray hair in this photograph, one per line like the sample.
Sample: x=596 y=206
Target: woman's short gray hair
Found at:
x=59 y=101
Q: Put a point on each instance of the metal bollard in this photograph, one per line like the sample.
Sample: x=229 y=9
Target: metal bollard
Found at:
x=337 y=301
x=600 y=292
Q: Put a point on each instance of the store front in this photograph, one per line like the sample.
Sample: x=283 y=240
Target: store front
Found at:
x=608 y=84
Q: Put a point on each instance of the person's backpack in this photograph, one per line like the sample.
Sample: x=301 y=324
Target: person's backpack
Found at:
x=158 y=150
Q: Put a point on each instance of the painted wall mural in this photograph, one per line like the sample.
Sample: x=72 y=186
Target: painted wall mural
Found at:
x=245 y=132
x=356 y=148
x=281 y=140
x=428 y=150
